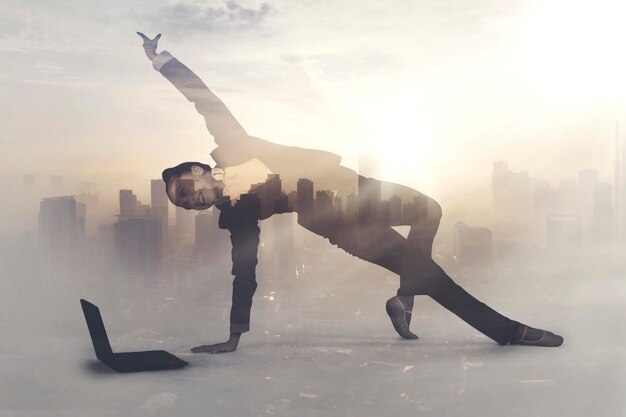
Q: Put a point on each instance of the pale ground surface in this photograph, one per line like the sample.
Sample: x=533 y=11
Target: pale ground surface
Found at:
x=48 y=367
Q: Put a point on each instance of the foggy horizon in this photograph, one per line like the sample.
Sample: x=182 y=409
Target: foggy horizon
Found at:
x=472 y=203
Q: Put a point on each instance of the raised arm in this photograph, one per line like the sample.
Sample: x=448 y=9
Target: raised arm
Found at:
x=220 y=122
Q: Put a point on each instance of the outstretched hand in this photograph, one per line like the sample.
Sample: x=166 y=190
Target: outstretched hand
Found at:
x=216 y=348
x=150 y=45
x=228 y=346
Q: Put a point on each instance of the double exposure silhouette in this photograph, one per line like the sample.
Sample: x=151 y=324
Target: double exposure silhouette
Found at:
x=255 y=179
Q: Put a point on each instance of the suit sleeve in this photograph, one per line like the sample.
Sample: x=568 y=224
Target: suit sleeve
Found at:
x=219 y=120
x=244 y=236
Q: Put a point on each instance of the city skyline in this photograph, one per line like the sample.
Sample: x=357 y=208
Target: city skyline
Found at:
x=538 y=186
x=524 y=210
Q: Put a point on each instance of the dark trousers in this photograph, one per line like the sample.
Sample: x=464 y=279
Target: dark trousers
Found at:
x=411 y=259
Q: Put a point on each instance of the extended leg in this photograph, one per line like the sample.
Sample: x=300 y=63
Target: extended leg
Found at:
x=475 y=313
x=486 y=320
x=421 y=275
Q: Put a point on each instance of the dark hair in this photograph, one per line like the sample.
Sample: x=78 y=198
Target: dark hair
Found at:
x=181 y=169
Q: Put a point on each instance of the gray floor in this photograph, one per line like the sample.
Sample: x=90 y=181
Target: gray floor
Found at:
x=359 y=369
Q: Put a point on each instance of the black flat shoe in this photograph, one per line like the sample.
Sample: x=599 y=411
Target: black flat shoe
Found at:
x=398 y=315
x=528 y=336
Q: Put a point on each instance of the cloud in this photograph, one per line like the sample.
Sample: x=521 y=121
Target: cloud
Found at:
x=209 y=16
x=50 y=68
x=41 y=28
x=352 y=62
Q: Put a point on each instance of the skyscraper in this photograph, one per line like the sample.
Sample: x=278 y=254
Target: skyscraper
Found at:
x=352 y=209
x=369 y=189
x=284 y=263
x=159 y=206
x=269 y=192
x=138 y=245
x=128 y=203
x=158 y=197
x=185 y=225
x=130 y=206
x=212 y=243
x=292 y=201
x=61 y=231
x=305 y=198
x=338 y=208
x=324 y=204
x=204 y=226
x=395 y=210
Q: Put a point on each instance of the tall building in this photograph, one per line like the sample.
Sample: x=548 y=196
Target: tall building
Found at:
x=292 y=201
x=369 y=200
x=324 y=204
x=138 y=245
x=185 y=225
x=281 y=205
x=204 y=223
x=128 y=203
x=81 y=212
x=158 y=196
x=415 y=210
x=159 y=206
x=283 y=247
x=248 y=206
x=212 y=243
x=138 y=235
x=395 y=210
x=130 y=206
x=268 y=192
x=409 y=213
x=369 y=189
x=352 y=208
x=305 y=198
x=338 y=208
x=61 y=231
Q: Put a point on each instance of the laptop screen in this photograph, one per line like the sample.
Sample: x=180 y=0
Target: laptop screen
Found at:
x=97 y=331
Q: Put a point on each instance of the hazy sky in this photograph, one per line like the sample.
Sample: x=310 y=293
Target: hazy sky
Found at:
x=439 y=89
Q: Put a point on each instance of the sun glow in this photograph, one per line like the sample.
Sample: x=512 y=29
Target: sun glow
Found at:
x=402 y=133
